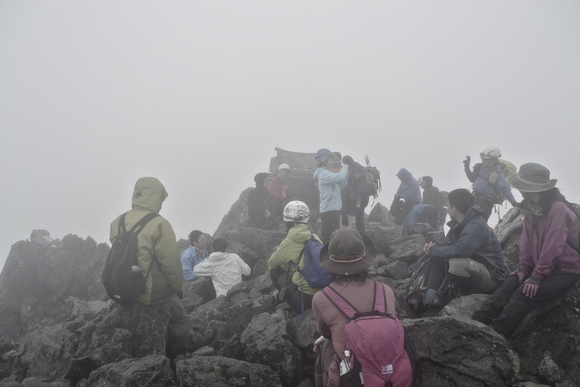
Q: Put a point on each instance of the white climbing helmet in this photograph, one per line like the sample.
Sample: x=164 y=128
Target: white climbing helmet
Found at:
x=492 y=152
x=296 y=211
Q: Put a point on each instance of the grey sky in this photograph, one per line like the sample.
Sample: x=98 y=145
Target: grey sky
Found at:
x=94 y=95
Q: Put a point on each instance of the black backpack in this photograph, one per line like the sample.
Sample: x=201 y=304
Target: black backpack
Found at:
x=122 y=277
x=372 y=185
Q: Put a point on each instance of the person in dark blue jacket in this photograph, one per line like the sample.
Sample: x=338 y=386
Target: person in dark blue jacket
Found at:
x=408 y=194
x=471 y=255
x=484 y=191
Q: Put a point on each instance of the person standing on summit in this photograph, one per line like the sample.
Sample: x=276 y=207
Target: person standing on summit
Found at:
x=158 y=256
x=330 y=185
x=408 y=195
x=488 y=180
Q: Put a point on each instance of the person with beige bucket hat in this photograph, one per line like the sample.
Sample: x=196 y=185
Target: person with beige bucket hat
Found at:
x=549 y=261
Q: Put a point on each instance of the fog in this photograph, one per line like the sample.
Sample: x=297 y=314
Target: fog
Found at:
x=94 y=95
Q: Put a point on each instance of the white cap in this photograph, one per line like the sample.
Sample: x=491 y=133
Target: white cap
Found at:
x=283 y=166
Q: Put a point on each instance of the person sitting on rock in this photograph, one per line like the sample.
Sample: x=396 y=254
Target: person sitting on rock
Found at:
x=225 y=269
x=422 y=219
x=191 y=257
x=549 y=262
x=432 y=196
x=258 y=214
x=291 y=284
x=348 y=255
x=471 y=256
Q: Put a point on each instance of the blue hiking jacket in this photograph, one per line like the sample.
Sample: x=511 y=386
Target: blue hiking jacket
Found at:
x=409 y=188
x=329 y=185
x=473 y=238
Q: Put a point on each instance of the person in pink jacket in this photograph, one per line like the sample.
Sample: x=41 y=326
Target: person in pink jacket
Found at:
x=549 y=262
x=348 y=255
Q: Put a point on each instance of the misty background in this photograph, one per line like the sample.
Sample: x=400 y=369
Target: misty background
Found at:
x=94 y=95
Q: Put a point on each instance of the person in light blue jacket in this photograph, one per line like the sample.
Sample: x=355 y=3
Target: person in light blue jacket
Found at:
x=330 y=185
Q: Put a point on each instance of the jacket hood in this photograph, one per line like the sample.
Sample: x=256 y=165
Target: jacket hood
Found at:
x=299 y=233
x=218 y=256
x=148 y=194
x=404 y=175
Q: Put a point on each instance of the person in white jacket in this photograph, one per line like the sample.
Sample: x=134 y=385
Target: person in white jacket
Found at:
x=225 y=269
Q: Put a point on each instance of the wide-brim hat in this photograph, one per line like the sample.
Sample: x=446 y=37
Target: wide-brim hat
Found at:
x=348 y=252
x=532 y=177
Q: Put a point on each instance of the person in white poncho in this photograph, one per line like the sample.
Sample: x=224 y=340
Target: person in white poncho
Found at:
x=225 y=269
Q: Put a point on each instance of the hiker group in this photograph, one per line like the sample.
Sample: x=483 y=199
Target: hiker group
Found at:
x=329 y=274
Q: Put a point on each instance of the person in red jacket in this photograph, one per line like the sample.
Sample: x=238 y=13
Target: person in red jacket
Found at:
x=549 y=260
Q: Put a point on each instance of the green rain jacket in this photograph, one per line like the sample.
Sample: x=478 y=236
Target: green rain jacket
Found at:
x=159 y=254
x=289 y=250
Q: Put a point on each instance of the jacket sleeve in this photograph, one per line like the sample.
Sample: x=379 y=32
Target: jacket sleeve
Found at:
x=187 y=265
x=328 y=177
x=244 y=268
x=525 y=264
x=471 y=239
x=167 y=254
x=554 y=240
x=472 y=175
x=281 y=255
x=502 y=185
x=204 y=269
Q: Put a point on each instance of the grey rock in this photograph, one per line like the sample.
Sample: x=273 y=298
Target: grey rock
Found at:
x=217 y=371
x=152 y=370
x=462 y=352
x=264 y=341
x=464 y=306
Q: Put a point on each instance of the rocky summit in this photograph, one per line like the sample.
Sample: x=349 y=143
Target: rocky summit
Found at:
x=58 y=327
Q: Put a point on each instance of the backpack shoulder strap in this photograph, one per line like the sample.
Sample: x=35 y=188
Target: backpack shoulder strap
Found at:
x=300 y=256
x=122 y=228
x=336 y=297
x=136 y=229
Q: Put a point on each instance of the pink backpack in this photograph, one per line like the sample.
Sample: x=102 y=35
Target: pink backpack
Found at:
x=379 y=351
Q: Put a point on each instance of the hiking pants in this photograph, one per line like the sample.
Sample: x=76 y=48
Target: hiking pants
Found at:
x=360 y=214
x=330 y=223
x=177 y=328
x=467 y=273
x=485 y=202
x=294 y=297
x=508 y=305
x=326 y=356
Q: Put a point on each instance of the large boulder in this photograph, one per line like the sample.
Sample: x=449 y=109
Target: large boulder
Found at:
x=218 y=371
x=462 y=352
x=148 y=371
x=551 y=335
x=38 y=277
x=265 y=341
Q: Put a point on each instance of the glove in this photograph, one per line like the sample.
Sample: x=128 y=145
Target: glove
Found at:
x=531 y=286
x=347 y=160
x=467 y=161
x=179 y=294
x=521 y=275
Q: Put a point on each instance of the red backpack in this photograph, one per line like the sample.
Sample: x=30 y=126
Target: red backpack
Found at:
x=378 y=351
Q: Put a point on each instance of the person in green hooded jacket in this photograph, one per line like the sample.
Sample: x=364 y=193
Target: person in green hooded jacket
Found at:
x=159 y=259
x=296 y=215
